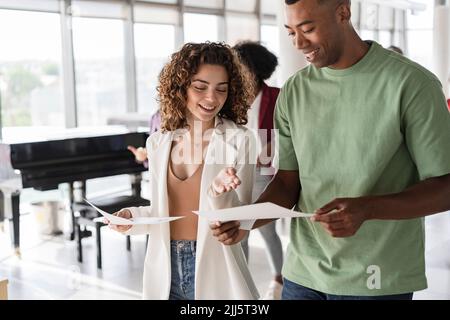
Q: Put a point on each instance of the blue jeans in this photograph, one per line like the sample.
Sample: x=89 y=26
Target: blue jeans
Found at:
x=182 y=264
x=293 y=291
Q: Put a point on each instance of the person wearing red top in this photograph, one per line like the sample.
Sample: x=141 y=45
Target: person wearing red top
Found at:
x=262 y=63
x=448 y=104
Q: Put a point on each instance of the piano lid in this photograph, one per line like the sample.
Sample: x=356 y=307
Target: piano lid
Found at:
x=15 y=135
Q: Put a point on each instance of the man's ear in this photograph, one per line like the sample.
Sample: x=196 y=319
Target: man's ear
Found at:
x=343 y=12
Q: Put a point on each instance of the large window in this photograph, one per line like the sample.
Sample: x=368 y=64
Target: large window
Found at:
x=270 y=39
x=241 y=26
x=384 y=23
x=420 y=34
x=99 y=69
x=201 y=27
x=30 y=69
x=150 y=59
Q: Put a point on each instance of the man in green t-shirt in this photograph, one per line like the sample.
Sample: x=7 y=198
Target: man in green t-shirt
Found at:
x=364 y=143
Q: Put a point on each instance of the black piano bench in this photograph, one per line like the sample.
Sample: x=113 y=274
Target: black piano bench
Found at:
x=88 y=216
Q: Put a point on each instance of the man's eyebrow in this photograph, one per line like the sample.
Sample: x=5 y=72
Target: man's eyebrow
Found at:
x=300 y=24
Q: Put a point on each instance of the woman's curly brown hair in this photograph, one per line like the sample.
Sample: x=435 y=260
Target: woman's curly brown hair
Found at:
x=175 y=79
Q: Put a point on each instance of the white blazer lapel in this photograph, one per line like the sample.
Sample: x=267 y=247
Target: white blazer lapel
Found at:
x=161 y=167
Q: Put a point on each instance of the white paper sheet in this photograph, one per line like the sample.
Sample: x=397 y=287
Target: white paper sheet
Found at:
x=139 y=220
x=266 y=210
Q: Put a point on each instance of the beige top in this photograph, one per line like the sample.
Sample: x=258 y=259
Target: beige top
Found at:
x=184 y=197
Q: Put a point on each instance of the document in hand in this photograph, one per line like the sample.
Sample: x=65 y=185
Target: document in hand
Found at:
x=139 y=220
x=266 y=210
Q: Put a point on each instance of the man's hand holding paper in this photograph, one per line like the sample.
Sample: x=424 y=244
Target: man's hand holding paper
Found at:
x=227 y=222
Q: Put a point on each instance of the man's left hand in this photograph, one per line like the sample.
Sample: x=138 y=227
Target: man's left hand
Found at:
x=228 y=232
x=343 y=217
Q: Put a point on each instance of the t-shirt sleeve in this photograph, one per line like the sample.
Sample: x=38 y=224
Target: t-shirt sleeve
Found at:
x=285 y=158
x=426 y=125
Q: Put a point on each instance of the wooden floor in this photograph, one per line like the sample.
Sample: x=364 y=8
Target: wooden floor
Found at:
x=48 y=268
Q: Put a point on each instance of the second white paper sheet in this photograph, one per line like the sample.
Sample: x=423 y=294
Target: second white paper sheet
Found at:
x=266 y=210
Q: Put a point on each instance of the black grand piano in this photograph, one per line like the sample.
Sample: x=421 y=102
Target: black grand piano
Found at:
x=74 y=155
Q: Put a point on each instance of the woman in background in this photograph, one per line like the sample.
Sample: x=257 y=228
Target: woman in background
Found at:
x=262 y=63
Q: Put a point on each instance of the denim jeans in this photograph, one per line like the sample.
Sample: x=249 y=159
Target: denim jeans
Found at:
x=293 y=291
x=182 y=263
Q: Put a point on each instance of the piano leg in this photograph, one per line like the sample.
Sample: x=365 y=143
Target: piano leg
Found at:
x=99 y=245
x=79 y=237
x=72 y=213
x=10 y=209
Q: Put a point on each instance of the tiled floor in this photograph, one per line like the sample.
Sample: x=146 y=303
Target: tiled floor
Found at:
x=49 y=269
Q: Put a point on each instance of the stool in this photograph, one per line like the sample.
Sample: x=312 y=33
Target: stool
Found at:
x=88 y=216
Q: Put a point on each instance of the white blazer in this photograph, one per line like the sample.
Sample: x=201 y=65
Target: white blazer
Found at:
x=221 y=271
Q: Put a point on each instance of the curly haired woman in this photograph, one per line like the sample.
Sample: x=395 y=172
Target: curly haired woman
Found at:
x=199 y=160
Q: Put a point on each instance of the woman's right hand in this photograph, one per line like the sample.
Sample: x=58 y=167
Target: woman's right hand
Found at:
x=124 y=213
x=225 y=181
x=140 y=153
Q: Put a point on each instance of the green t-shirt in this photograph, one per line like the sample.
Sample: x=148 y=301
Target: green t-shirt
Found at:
x=375 y=128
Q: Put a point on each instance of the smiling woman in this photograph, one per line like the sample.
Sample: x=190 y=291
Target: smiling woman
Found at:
x=204 y=96
x=231 y=84
x=208 y=92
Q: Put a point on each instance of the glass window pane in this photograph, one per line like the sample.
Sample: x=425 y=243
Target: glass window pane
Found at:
x=241 y=27
x=150 y=59
x=161 y=1
x=420 y=47
x=399 y=20
x=367 y=34
x=386 y=18
x=268 y=7
x=104 y=9
x=99 y=69
x=215 y=4
x=385 y=38
x=355 y=7
x=147 y=13
x=369 y=16
x=239 y=5
x=421 y=19
x=270 y=39
x=201 y=27
x=30 y=69
x=43 y=5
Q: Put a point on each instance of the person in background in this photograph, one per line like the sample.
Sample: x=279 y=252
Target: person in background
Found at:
x=140 y=153
x=204 y=95
x=395 y=49
x=262 y=63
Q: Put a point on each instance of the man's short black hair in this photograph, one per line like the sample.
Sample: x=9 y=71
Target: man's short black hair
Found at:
x=289 y=2
x=257 y=58
x=320 y=2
